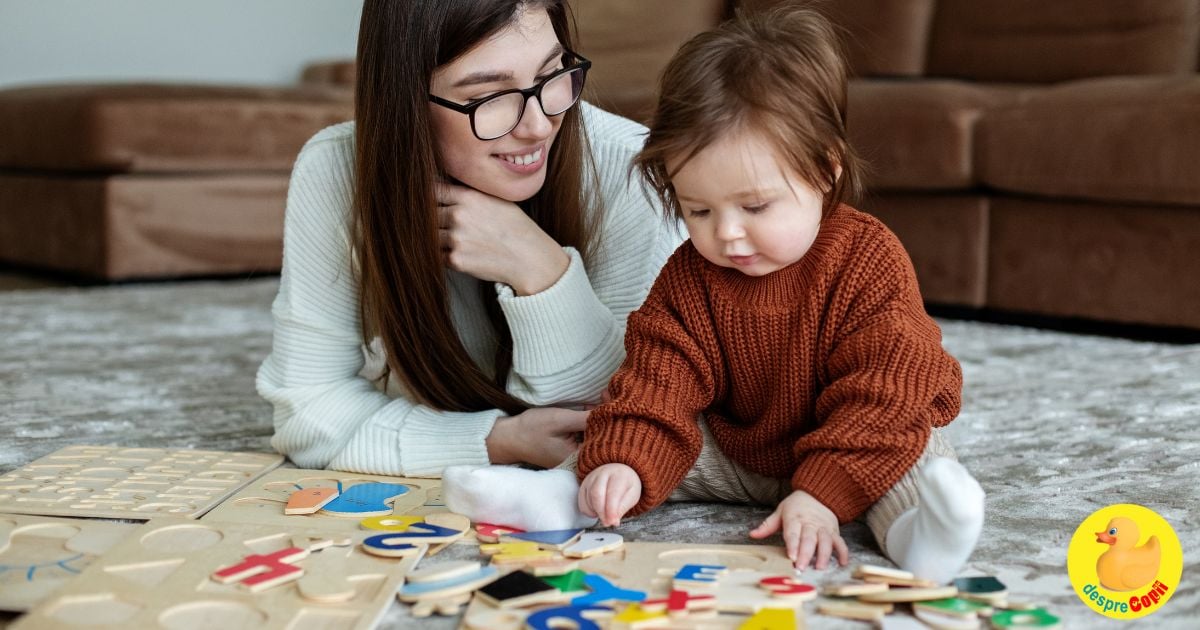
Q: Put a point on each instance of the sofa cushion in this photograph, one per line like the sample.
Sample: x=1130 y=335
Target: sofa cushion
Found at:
x=1134 y=264
x=117 y=227
x=162 y=128
x=1131 y=139
x=882 y=37
x=1039 y=41
x=919 y=135
x=629 y=43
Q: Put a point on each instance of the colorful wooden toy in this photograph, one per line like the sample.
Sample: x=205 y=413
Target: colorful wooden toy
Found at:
x=365 y=499
x=982 y=588
x=634 y=617
x=771 y=619
x=910 y=594
x=391 y=522
x=489 y=533
x=551 y=539
x=581 y=618
x=678 y=603
x=422 y=534
x=519 y=589
x=571 y=582
x=702 y=575
x=1036 y=618
x=603 y=591
x=309 y=500
x=442 y=589
x=787 y=587
x=258 y=572
x=593 y=543
x=383 y=546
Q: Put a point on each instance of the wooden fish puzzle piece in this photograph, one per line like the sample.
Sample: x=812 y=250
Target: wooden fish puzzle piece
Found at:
x=365 y=499
x=942 y=621
x=852 y=609
x=910 y=594
x=1036 y=618
x=580 y=617
x=309 y=500
x=390 y=522
x=850 y=589
x=955 y=606
x=787 y=587
x=698 y=575
x=447 y=607
x=489 y=533
x=593 y=543
x=442 y=589
x=554 y=540
x=443 y=571
x=604 y=591
x=258 y=572
x=771 y=619
x=678 y=603
x=519 y=589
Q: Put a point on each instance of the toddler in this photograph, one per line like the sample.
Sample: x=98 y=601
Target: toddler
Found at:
x=784 y=355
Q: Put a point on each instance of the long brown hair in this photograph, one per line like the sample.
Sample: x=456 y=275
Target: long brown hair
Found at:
x=404 y=299
x=781 y=74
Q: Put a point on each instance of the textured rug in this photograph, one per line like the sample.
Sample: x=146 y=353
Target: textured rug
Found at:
x=1054 y=425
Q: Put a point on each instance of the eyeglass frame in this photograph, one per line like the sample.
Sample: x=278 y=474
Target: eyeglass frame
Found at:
x=535 y=90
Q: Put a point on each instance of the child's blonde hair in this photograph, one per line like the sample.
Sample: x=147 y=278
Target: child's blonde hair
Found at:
x=781 y=74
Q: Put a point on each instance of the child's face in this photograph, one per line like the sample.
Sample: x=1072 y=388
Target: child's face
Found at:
x=743 y=208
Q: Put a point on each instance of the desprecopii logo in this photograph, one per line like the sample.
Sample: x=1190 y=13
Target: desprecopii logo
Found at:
x=1125 y=561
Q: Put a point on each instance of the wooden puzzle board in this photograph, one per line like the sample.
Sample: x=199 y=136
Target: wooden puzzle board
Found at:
x=129 y=483
x=40 y=553
x=262 y=502
x=160 y=578
x=649 y=567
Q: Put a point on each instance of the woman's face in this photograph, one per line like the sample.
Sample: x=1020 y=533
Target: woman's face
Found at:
x=513 y=166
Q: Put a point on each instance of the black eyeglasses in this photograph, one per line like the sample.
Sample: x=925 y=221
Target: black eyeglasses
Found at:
x=500 y=113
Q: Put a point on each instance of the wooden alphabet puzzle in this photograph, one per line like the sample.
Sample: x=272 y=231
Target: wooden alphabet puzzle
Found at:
x=359 y=497
x=40 y=553
x=163 y=576
x=129 y=483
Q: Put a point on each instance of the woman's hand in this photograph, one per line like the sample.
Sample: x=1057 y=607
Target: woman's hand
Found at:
x=492 y=239
x=810 y=531
x=544 y=436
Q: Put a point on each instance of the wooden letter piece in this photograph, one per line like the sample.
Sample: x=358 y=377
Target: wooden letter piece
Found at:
x=489 y=533
x=390 y=522
x=698 y=575
x=519 y=589
x=258 y=572
x=383 y=546
x=788 y=588
x=309 y=500
x=579 y=616
x=677 y=603
x=771 y=619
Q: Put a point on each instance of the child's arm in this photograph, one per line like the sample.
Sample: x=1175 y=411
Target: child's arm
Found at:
x=810 y=531
x=608 y=492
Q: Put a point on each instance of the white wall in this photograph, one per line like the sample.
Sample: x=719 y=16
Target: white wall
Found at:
x=266 y=42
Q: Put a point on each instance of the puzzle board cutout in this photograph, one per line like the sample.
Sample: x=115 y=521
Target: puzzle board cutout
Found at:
x=129 y=483
x=160 y=577
x=38 y=554
x=649 y=567
x=262 y=502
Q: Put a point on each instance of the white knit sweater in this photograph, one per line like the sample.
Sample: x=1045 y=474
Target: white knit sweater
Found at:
x=567 y=340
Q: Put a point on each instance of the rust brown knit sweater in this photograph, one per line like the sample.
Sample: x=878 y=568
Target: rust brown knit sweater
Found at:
x=828 y=372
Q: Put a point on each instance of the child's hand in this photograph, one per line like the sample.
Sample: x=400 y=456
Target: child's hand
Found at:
x=810 y=531
x=608 y=492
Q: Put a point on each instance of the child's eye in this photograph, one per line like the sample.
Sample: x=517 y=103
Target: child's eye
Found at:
x=698 y=213
x=756 y=209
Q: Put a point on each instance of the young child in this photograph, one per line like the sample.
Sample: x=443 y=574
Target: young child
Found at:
x=784 y=355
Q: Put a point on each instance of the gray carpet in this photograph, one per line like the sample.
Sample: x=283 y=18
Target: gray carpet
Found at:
x=1054 y=425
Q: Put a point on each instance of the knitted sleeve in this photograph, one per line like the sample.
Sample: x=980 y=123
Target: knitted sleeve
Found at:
x=888 y=381
x=667 y=379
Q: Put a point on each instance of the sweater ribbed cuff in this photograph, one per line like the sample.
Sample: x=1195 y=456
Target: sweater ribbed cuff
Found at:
x=422 y=444
x=660 y=461
x=830 y=484
x=558 y=328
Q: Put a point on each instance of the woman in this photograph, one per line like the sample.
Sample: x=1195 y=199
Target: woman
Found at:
x=476 y=228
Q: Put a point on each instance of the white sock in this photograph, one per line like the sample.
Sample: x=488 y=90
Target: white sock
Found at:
x=533 y=500
x=935 y=539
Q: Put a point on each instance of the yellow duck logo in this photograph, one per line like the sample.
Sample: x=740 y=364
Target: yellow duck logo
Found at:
x=1126 y=566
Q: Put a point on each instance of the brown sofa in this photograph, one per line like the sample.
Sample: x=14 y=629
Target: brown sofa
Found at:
x=1035 y=157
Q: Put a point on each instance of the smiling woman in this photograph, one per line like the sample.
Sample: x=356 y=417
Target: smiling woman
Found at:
x=459 y=262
